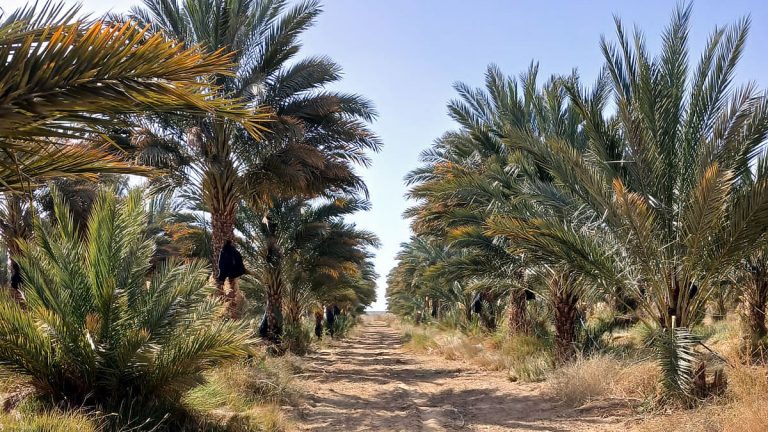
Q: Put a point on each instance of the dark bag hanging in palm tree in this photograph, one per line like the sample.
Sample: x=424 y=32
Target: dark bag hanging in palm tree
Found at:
x=477 y=304
x=230 y=262
x=263 y=326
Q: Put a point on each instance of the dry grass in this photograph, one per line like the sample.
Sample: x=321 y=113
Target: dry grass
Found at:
x=748 y=391
x=241 y=397
x=525 y=358
x=699 y=420
x=744 y=408
x=418 y=339
x=262 y=418
x=390 y=319
x=603 y=377
x=246 y=396
x=456 y=346
x=51 y=421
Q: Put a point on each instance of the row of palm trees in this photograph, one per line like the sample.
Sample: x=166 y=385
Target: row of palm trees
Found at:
x=110 y=304
x=647 y=190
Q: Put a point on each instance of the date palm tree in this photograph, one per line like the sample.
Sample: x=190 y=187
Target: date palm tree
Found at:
x=472 y=176
x=331 y=267
x=316 y=135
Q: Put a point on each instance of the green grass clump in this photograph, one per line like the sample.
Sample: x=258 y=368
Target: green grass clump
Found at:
x=528 y=358
x=419 y=340
x=52 y=421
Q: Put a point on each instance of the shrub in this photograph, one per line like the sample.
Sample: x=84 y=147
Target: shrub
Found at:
x=297 y=338
x=343 y=325
x=527 y=358
x=245 y=396
x=96 y=330
x=418 y=339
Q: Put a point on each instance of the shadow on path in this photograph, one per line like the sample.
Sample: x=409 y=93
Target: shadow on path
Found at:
x=369 y=383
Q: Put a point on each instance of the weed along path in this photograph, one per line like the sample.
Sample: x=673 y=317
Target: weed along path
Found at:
x=370 y=383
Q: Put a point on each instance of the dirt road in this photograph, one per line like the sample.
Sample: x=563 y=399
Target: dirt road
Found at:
x=369 y=383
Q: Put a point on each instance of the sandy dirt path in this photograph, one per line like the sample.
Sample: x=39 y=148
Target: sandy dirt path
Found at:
x=370 y=383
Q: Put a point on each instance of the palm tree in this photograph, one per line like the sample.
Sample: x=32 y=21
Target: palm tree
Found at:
x=316 y=135
x=180 y=230
x=409 y=285
x=680 y=203
x=98 y=328
x=754 y=299
x=58 y=88
x=334 y=267
x=472 y=176
x=304 y=253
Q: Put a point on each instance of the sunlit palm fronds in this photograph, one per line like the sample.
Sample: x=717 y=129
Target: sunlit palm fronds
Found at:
x=68 y=77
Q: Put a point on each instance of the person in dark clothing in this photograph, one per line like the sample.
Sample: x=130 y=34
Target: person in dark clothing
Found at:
x=336 y=310
x=330 y=319
x=230 y=263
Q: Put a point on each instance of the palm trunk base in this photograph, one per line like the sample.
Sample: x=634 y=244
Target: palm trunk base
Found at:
x=565 y=329
x=232 y=297
x=519 y=321
x=754 y=344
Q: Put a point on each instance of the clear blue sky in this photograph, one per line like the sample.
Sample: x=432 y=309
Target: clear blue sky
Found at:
x=406 y=54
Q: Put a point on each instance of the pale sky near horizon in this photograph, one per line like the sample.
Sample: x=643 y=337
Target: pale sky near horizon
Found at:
x=406 y=54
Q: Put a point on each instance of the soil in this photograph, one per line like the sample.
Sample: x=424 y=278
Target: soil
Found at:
x=370 y=383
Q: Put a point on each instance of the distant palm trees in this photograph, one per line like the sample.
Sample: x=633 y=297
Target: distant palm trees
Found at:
x=305 y=254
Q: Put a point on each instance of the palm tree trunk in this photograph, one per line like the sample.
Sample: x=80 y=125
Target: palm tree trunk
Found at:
x=223 y=229
x=15 y=226
x=754 y=300
x=274 y=286
x=517 y=313
x=274 y=306
x=220 y=194
x=435 y=308
x=15 y=273
x=293 y=310
x=565 y=303
x=468 y=309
